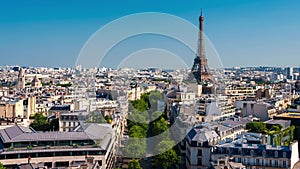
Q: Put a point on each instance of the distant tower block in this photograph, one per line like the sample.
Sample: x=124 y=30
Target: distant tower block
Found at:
x=21 y=79
x=200 y=68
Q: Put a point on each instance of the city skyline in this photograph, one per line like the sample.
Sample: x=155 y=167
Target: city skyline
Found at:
x=44 y=34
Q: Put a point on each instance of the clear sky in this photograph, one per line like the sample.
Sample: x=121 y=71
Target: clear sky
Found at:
x=244 y=32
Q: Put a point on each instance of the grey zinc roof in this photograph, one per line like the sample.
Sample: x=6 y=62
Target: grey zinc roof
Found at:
x=105 y=141
x=236 y=122
x=90 y=132
x=223 y=128
x=202 y=135
x=12 y=132
x=284 y=123
x=50 y=136
x=96 y=131
x=213 y=110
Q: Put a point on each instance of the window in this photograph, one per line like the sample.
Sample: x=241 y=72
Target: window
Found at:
x=227 y=151
x=276 y=154
x=199 y=161
x=276 y=163
x=257 y=161
x=284 y=154
x=284 y=164
x=240 y=151
x=199 y=152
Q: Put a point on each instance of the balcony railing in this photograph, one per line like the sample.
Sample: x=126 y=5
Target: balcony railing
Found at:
x=50 y=147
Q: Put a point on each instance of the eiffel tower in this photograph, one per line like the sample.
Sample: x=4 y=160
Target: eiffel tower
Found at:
x=200 y=68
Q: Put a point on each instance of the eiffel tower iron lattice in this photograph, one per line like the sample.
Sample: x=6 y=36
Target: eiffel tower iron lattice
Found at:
x=200 y=68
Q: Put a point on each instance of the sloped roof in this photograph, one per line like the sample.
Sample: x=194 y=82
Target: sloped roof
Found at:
x=96 y=131
x=213 y=110
x=202 y=134
x=17 y=133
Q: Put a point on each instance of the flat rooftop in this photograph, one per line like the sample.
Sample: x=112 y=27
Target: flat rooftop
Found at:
x=290 y=115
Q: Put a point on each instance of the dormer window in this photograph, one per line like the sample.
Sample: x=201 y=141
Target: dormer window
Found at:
x=276 y=154
x=240 y=151
x=284 y=154
x=252 y=152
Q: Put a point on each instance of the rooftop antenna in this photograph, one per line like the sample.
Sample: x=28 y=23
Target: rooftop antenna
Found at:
x=201 y=12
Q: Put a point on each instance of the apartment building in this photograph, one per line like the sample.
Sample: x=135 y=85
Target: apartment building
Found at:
x=240 y=92
x=20 y=145
x=214 y=108
x=199 y=144
x=251 y=152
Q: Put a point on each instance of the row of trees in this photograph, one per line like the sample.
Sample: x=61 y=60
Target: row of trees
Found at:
x=146 y=121
x=167 y=156
x=138 y=128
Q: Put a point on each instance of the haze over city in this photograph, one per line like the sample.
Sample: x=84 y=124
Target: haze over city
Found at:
x=245 y=33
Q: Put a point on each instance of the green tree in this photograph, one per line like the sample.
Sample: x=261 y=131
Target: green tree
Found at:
x=137 y=132
x=167 y=157
x=140 y=105
x=134 y=164
x=257 y=127
x=135 y=147
x=159 y=126
x=40 y=123
x=138 y=118
x=2 y=166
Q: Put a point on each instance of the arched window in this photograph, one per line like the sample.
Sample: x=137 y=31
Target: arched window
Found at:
x=284 y=154
x=264 y=153
x=240 y=151
x=276 y=154
x=252 y=152
x=227 y=151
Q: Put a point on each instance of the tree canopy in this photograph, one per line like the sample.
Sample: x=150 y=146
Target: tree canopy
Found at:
x=40 y=123
x=257 y=127
x=135 y=147
x=137 y=131
x=2 y=166
x=167 y=157
x=134 y=164
x=159 y=126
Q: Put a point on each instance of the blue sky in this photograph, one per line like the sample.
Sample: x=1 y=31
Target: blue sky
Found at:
x=244 y=32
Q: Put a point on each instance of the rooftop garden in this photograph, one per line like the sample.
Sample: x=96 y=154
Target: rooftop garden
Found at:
x=279 y=136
